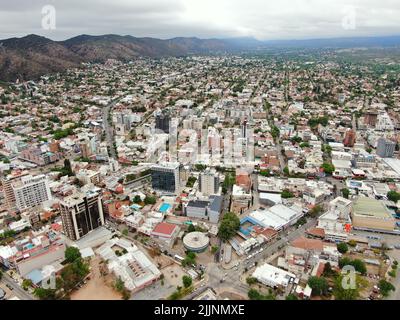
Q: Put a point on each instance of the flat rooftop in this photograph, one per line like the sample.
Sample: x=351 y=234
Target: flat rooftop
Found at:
x=370 y=208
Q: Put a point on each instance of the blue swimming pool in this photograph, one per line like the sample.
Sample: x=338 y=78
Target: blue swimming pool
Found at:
x=164 y=207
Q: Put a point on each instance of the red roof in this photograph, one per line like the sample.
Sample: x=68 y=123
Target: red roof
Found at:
x=164 y=228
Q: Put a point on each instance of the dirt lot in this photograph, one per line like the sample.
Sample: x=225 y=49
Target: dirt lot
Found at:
x=173 y=275
x=98 y=287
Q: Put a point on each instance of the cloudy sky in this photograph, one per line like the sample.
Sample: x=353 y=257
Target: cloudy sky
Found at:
x=262 y=19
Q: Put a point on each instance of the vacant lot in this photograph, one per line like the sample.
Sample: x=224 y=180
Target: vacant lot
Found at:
x=98 y=287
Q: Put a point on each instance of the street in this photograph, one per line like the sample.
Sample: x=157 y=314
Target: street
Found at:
x=17 y=290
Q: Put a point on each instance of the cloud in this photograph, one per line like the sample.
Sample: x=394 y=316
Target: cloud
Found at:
x=263 y=19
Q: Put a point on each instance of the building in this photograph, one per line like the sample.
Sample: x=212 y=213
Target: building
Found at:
x=371 y=214
x=166 y=233
x=81 y=213
x=350 y=138
x=209 y=182
x=336 y=222
x=134 y=268
x=22 y=191
x=205 y=209
x=277 y=217
x=31 y=191
x=163 y=121
x=273 y=277
x=196 y=241
x=38 y=157
x=29 y=254
x=371 y=118
x=385 y=148
x=166 y=178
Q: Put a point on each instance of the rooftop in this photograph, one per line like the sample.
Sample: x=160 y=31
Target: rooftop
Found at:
x=368 y=207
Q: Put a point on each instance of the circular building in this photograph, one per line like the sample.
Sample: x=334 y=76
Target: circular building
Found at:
x=196 y=241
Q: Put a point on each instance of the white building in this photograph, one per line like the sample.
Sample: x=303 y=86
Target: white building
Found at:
x=31 y=191
x=273 y=277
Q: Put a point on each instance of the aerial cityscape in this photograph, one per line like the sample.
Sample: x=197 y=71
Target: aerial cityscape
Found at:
x=234 y=167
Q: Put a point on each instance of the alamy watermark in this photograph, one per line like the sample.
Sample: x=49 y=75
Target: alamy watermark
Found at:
x=49 y=17
x=349 y=21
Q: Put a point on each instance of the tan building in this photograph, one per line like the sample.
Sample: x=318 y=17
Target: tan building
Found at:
x=372 y=214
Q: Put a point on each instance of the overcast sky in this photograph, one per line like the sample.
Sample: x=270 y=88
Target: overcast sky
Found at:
x=262 y=19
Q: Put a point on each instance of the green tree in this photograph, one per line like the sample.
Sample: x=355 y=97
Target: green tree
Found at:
x=318 y=285
x=393 y=196
x=187 y=281
x=72 y=254
x=150 y=200
x=137 y=199
x=251 y=280
x=345 y=193
x=291 y=296
x=328 y=168
x=214 y=249
x=341 y=293
x=342 y=247
x=286 y=171
x=230 y=224
x=316 y=211
x=286 y=194
x=45 y=294
x=26 y=283
x=385 y=287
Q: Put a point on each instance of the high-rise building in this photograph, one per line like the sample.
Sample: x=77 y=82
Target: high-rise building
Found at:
x=350 y=138
x=371 y=118
x=81 y=213
x=385 y=148
x=31 y=191
x=163 y=121
x=165 y=177
x=22 y=191
x=209 y=182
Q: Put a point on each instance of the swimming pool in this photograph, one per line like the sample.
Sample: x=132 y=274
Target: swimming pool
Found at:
x=164 y=207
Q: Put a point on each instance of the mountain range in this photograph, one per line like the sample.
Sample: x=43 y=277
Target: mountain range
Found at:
x=30 y=57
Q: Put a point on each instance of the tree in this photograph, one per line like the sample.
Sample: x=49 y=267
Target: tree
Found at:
x=150 y=200
x=328 y=168
x=214 y=249
x=68 y=168
x=254 y=295
x=341 y=293
x=393 y=196
x=345 y=193
x=328 y=271
x=286 y=194
x=316 y=211
x=291 y=296
x=137 y=199
x=189 y=259
x=358 y=264
x=72 y=254
x=229 y=226
x=286 y=171
x=342 y=247
x=187 y=281
x=318 y=285
x=251 y=280
x=45 y=294
x=26 y=283
x=385 y=287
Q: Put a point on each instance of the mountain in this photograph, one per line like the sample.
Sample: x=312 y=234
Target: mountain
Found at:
x=32 y=56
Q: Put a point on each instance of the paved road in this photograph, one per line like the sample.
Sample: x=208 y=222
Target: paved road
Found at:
x=17 y=290
x=108 y=128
